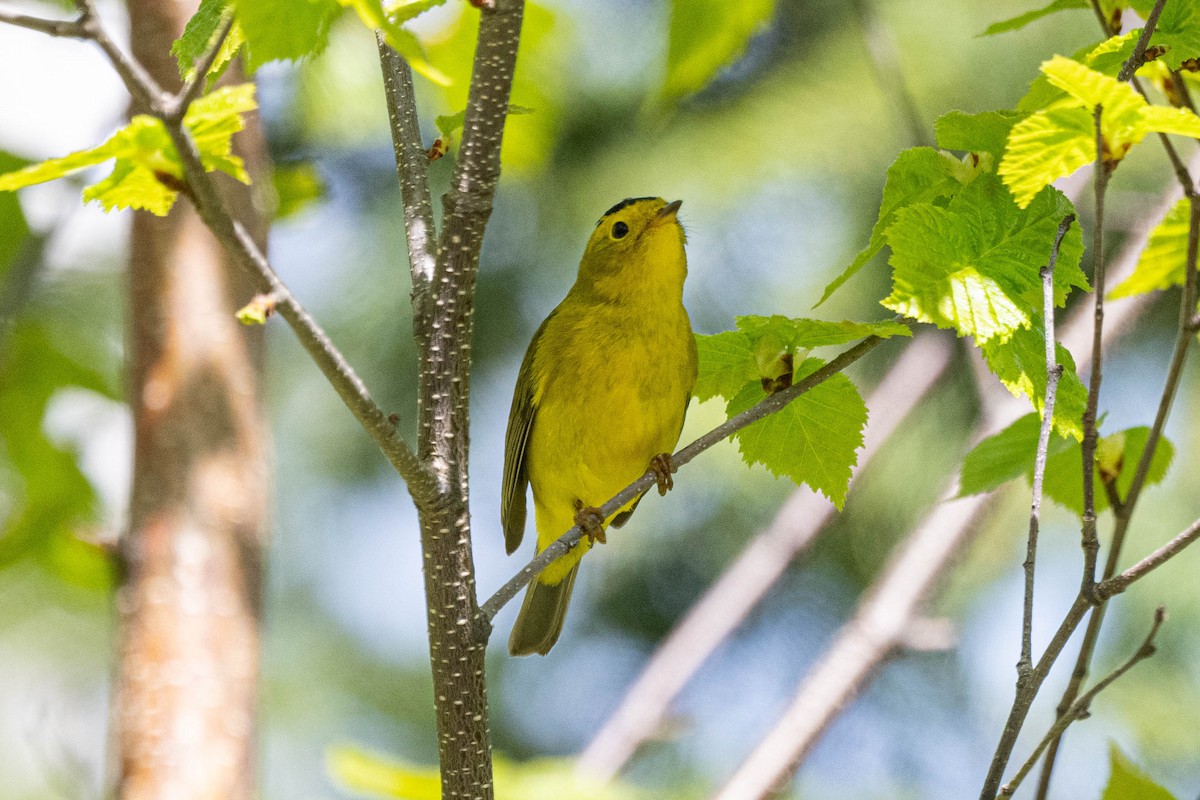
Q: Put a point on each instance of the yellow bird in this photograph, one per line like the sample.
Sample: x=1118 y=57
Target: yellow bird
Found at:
x=600 y=399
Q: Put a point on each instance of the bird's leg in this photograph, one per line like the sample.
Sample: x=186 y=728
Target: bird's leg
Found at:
x=591 y=520
x=662 y=466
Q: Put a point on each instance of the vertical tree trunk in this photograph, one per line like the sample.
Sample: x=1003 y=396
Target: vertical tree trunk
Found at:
x=189 y=606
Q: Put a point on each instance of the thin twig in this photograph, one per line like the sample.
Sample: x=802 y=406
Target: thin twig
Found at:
x=766 y=407
x=68 y=28
x=1119 y=583
x=1089 y=540
x=141 y=85
x=1053 y=373
x=1138 y=57
x=1081 y=707
x=194 y=85
x=744 y=582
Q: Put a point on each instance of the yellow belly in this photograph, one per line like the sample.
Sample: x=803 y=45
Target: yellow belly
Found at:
x=612 y=398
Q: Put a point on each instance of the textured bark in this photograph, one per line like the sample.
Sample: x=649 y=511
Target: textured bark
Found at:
x=189 y=605
x=456 y=648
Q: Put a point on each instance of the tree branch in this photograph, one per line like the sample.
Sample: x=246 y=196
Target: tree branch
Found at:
x=1053 y=373
x=734 y=424
x=1138 y=56
x=1090 y=542
x=1119 y=583
x=412 y=168
x=727 y=602
x=67 y=28
x=1080 y=708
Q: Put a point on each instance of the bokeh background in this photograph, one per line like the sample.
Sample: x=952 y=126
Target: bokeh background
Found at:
x=780 y=163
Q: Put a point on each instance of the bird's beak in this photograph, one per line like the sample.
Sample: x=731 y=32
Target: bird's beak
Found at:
x=668 y=212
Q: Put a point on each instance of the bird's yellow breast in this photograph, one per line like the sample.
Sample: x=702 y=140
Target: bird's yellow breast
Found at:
x=612 y=383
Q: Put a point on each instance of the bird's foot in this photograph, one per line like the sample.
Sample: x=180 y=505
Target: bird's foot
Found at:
x=662 y=466
x=592 y=521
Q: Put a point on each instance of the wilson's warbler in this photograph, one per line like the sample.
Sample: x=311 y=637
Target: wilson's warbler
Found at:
x=600 y=398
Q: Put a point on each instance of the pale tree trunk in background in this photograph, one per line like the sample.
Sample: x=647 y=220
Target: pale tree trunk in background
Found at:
x=189 y=607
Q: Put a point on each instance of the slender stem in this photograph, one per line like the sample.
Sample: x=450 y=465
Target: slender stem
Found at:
x=68 y=28
x=734 y=424
x=141 y=85
x=1138 y=57
x=1119 y=583
x=1123 y=511
x=1053 y=373
x=1080 y=708
x=194 y=85
x=1090 y=542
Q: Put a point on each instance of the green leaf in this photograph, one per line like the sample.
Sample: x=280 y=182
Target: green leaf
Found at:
x=1118 y=456
x=812 y=440
x=371 y=13
x=1004 y=456
x=147 y=171
x=986 y=132
x=725 y=364
x=1178 y=30
x=1021 y=20
x=730 y=360
x=1050 y=144
x=1163 y=263
x=918 y=175
x=1106 y=57
x=706 y=35
x=198 y=36
x=973 y=266
x=1127 y=782
x=1020 y=364
x=284 y=29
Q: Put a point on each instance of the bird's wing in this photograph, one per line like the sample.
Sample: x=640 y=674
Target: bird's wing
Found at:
x=516 y=441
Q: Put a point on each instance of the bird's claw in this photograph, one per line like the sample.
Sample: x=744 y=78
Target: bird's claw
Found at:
x=662 y=466
x=591 y=521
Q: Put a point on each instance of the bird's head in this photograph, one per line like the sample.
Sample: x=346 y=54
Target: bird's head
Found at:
x=637 y=246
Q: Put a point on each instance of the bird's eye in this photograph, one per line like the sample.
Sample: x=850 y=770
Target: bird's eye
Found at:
x=620 y=230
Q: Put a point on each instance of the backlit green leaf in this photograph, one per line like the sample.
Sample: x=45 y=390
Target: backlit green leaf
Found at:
x=1163 y=263
x=973 y=265
x=726 y=364
x=371 y=13
x=1055 y=142
x=1004 y=456
x=147 y=172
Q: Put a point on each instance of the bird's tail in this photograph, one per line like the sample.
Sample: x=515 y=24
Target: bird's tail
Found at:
x=542 y=614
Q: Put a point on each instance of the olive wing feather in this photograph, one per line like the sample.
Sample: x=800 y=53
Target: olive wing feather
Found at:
x=516 y=443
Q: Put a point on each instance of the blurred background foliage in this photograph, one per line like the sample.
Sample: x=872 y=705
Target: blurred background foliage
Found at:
x=769 y=120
